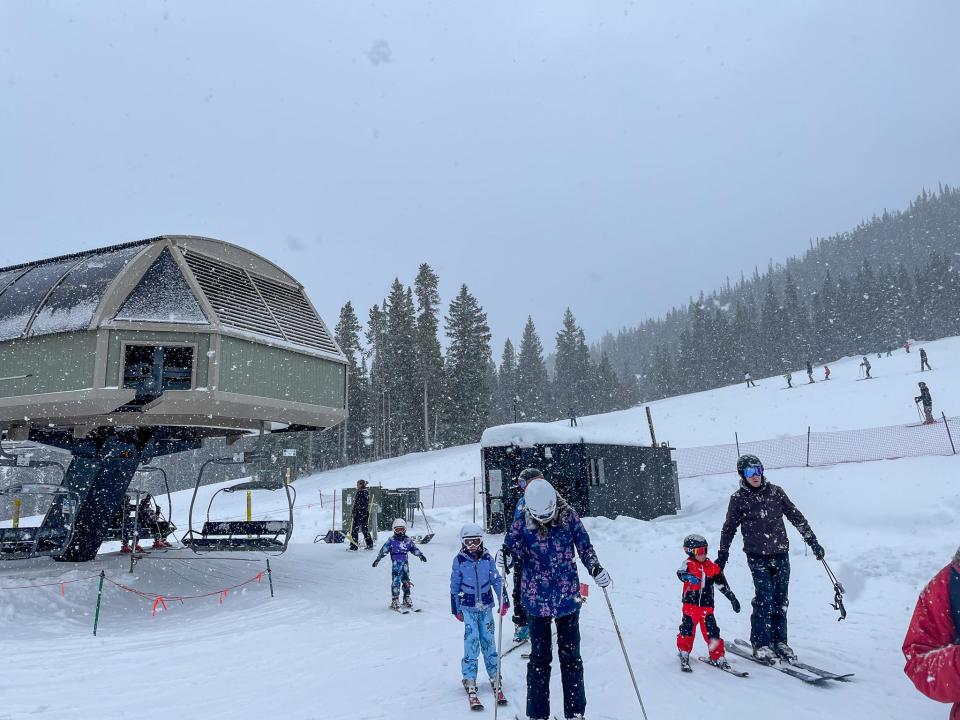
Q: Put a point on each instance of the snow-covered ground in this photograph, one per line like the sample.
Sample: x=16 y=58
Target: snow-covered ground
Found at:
x=327 y=646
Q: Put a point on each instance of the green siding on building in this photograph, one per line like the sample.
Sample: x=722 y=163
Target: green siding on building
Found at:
x=201 y=341
x=264 y=371
x=56 y=363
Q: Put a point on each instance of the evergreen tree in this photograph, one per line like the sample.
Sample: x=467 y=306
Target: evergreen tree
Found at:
x=574 y=387
x=506 y=385
x=429 y=357
x=377 y=397
x=347 y=335
x=404 y=422
x=533 y=385
x=468 y=367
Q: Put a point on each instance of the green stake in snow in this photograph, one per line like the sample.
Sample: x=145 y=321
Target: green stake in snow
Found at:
x=96 y=617
x=270 y=577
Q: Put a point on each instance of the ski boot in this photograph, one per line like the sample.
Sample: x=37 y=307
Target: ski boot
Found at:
x=721 y=662
x=407 y=602
x=685 y=661
x=765 y=653
x=161 y=544
x=470 y=686
x=521 y=633
x=784 y=652
x=395 y=604
x=498 y=693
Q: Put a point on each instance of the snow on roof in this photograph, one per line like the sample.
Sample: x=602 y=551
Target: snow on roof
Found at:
x=533 y=433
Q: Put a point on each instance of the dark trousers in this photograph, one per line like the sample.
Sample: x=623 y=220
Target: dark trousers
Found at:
x=519 y=613
x=571 y=665
x=924 y=362
x=771 y=580
x=361 y=524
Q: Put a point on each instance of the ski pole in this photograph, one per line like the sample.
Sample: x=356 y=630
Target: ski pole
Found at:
x=916 y=404
x=498 y=689
x=838 y=592
x=623 y=647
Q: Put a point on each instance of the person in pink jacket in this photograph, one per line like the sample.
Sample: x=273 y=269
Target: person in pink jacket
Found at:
x=931 y=649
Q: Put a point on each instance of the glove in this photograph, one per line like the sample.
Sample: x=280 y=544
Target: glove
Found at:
x=423 y=558
x=722 y=558
x=601 y=576
x=690 y=578
x=728 y=594
x=501 y=562
x=459 y=616
x=504 y=607
x=375 y=563
x=818 y=551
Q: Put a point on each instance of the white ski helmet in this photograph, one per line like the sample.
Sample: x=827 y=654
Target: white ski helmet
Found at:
x=399 y=523
x=471 y=530
x=541 y=500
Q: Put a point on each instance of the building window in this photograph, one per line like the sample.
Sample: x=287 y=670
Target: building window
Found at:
x=598 y=475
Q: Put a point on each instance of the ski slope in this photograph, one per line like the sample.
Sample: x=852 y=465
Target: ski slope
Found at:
x=327 y=646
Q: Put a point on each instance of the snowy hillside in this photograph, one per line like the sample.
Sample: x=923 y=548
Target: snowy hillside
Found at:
x=327 y=646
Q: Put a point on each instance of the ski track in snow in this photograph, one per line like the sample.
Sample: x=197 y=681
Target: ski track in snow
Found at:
x=328 y=647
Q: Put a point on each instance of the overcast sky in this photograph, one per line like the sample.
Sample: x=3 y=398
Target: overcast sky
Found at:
x=614 y=157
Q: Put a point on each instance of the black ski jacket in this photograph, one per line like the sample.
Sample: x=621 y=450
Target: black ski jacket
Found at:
x=361 y=505
x=759 y=515
x=924 y=396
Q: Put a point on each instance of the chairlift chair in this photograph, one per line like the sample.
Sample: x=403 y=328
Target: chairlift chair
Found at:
x=269 y=536
x=17 y=543
x=126 y=525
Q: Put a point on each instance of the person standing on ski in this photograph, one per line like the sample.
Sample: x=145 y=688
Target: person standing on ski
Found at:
x=473 y=581
x=360 y=521
x=923 y=360
x=866 y=366
x=749 y=380
x=789 y=378
x=547 y=537
x=826 y=372
x=906 y=346
x=757 y=508
x=809 y=373
x=930 y=646
x=927 y=400
x=699 y=574
x=399 y=546
x=507 y=562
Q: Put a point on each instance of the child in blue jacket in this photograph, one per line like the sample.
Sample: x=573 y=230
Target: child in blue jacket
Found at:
x=399 y=546
x=473 y=581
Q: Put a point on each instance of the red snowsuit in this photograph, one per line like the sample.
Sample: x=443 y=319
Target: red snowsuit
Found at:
x=698 y=606
x=933 y=660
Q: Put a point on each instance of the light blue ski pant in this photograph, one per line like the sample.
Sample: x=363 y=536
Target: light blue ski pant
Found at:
x=478 y=634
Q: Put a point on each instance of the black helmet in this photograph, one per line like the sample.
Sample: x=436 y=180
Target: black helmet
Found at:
x=746 y=461
x=922 y=384
x=692 y=542
x=527 y=475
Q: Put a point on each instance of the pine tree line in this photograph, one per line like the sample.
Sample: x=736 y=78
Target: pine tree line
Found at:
x=407 y=395
x=893 y=278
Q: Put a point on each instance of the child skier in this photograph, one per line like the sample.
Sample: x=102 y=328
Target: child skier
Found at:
x=399 y=546
x=473 y=581
x=699 y=574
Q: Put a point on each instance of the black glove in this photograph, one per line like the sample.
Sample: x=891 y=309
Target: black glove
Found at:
x=423 y=558
x=818 y=551
x=375 y=562
x=728 y=594
x=722 y=558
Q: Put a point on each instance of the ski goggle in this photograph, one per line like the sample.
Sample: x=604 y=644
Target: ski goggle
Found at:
x=400 y=529
x=473 y=542
x=699 y=550
x=752 y=470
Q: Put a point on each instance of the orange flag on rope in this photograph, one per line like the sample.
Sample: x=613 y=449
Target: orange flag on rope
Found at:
x=158 y=603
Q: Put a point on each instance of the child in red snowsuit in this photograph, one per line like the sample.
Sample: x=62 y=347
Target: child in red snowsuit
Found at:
x=699 y=574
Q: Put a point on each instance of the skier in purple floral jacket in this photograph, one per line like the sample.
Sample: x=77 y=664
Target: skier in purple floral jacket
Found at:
x=546 y=537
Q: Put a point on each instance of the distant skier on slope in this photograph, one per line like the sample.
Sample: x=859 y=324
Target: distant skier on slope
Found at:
x=399 y=546
x=360 y=520
x=758 y=508
x=749 y=380
x=826 y=372
x=866 y=367
x=906 y=346
x=473 y=581
x=546 y=537
x=923 y=360
x=810 y=373
x=927 y=401
x=789 y=378
x=699 y=574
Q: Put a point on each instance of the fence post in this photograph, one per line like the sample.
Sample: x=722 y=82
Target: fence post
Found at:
x=474 y=499
x=433 y=502
x=947 y=425
x=737 y=438
x=808 y=446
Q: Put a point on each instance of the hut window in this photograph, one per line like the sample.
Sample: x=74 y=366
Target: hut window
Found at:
x=151 y=369
x=598 y=475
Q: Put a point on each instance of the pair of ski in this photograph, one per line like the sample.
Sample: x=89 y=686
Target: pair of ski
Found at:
x=474 y=699
x=405 y=610
x=728 y=669
x=809 y=674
